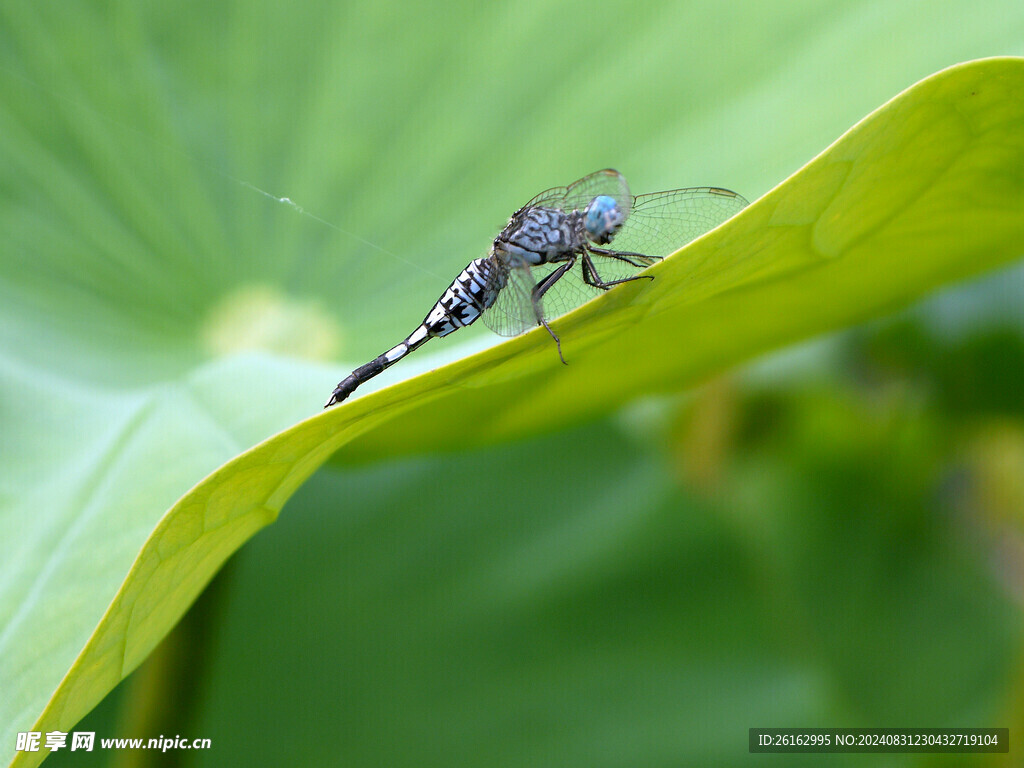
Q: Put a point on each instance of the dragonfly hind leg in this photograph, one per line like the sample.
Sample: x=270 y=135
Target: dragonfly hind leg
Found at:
x=538 y=293
x=558 y=342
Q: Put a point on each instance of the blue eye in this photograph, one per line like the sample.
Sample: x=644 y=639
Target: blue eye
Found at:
x=603 y=219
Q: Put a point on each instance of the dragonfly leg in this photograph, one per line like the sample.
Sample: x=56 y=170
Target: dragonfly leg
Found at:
x=558 y=343
x=538 y=293
x=590 y=276
x=645 y=261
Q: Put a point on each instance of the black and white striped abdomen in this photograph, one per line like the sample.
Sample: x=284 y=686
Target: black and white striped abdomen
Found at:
x=474 y=290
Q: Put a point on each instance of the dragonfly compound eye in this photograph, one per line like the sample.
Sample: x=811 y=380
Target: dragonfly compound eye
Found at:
x=603 y=219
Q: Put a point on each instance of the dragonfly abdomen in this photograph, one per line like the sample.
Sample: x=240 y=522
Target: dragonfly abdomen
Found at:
x=474 y=290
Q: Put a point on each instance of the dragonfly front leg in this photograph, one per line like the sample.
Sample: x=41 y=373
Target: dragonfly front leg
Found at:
x=538 y=293
x=627 y=256
x=590 y=276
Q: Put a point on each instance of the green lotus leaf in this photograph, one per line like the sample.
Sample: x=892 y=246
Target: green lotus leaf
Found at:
x=926 y=190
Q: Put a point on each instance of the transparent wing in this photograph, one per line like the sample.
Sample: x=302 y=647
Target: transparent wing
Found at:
x=577 y=196
x=513 y=313
x=660 y=224
x=663 y=222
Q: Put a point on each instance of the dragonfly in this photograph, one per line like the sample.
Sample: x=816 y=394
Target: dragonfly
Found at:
x=564 y=247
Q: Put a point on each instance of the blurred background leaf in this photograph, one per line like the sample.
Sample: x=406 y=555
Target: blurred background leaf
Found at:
x=151 y=298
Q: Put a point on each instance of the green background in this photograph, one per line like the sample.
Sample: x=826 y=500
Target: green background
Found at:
x=832 y=537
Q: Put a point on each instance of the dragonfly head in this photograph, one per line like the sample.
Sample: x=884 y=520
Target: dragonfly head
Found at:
x=603 y=219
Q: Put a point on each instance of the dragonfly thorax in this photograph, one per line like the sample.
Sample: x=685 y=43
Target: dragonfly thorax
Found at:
x=537 y=235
